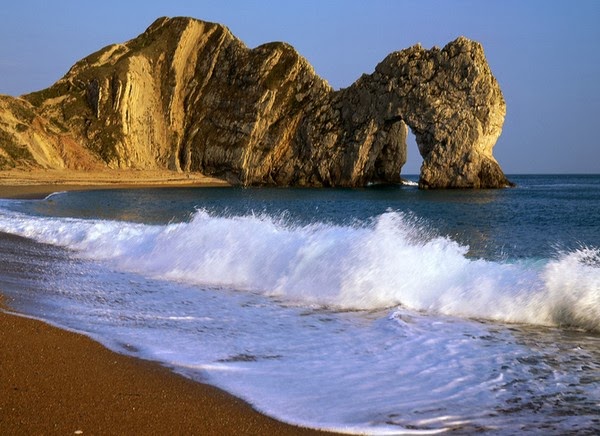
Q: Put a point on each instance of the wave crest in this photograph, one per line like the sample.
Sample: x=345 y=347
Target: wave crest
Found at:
x=394 y=260
x=572 y=283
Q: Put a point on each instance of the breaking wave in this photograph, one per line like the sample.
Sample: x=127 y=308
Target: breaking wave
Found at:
x=393 y=260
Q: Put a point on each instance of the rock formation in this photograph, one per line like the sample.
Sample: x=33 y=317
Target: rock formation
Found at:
x=189 y=96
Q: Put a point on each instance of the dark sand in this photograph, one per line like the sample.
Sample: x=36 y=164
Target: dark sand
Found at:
x=57 y=382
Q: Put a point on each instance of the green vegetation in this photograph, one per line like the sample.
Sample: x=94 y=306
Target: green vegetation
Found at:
x=6 y=139
x=38 y=97
x=21 y=111
x=5 y=164
x=16 y=153
x=75 y=108
x=59 y=125
x=104 y=143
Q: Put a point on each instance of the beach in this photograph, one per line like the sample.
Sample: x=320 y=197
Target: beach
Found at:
x=59 y=382
x=36 y=183
x=371 y=311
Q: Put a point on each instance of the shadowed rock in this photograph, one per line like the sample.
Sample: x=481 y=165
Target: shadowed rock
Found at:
x=189 y=96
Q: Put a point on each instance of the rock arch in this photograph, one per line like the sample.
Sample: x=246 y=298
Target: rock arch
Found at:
x=189 y=96
x=452 y=103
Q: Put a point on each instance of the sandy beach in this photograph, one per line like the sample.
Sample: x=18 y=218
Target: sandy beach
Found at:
x=58 y=382
x=36 y=183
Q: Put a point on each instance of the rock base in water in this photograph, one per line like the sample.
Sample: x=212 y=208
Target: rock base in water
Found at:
x=187 y=95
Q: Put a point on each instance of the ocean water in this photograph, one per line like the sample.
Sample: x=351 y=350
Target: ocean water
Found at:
x=385 y=310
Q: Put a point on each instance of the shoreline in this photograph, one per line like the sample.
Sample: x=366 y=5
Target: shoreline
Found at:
x=60 y=382
x=37 y=184
x=55 y=381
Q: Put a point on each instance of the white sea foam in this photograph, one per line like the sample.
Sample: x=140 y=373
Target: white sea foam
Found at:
x=391 y=261
x=54 y=194
x=407 y=182
x=404 y=370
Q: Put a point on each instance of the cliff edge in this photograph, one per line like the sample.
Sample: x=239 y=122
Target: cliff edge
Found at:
x=187 y=95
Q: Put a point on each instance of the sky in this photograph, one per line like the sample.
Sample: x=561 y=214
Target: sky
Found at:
x=545 y=54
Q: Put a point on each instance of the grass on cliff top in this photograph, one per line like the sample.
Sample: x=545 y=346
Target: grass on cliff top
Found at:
x=37 y=98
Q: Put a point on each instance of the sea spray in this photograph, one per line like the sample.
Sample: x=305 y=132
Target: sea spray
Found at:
x=572 y=282
x=285 y=342
x=392 y=260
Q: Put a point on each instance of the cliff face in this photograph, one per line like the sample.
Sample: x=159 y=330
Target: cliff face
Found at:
x=30 y=140
x=189 y=96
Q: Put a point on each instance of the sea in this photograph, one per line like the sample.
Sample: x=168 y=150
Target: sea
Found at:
x=383 y=310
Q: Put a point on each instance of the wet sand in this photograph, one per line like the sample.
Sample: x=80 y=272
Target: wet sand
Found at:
x=54 y=381
x=58 y=382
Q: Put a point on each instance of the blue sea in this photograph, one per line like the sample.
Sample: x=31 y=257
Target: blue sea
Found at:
x=384 y=310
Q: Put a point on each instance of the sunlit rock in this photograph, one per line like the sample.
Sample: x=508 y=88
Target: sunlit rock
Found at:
x=189 y=96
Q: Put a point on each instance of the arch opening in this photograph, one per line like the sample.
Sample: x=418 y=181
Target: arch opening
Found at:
x=412 y=168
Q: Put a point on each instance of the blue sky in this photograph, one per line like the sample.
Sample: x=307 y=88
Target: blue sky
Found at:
x=545 y=54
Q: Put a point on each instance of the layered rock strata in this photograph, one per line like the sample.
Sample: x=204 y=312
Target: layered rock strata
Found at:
x=188 y=96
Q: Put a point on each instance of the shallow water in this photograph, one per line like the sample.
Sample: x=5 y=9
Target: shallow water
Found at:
x=382 y=310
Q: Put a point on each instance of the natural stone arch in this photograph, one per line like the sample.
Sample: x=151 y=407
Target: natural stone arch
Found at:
x=190 y=96
x=453 y=105
x=449 y=99
x=414 y=160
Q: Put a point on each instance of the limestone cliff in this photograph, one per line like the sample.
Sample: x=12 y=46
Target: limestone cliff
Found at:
x=454 y=106
x=28 y=140
x=189 y=96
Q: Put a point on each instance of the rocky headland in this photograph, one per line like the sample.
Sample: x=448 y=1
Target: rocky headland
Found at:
x=188 y=96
